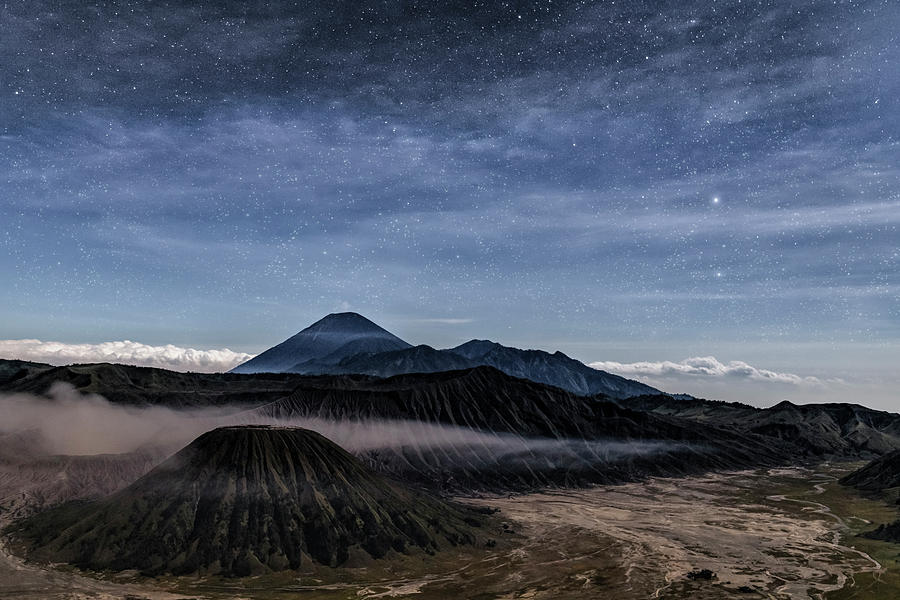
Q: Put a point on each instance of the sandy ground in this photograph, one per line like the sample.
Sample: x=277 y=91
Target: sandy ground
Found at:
x=776 y=546
x=21 y=581
x=637 y=540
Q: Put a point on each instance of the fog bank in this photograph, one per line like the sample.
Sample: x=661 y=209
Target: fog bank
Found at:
x=68 y=422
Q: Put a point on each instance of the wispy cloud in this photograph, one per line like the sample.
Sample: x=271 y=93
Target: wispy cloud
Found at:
x=126 y=352
x=445 y=321
x=708 y=367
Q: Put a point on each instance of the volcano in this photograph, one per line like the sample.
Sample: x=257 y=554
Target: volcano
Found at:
x=327 y=341
x=349 y=343
x=241 y=501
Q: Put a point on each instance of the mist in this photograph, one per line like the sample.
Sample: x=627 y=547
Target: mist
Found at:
x=71 y=423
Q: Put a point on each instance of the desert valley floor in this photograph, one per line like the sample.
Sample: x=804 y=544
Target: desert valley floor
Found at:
x=775 y=533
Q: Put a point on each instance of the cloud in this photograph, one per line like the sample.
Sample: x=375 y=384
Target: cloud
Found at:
x=708 y=367
x=445 y=321
x=126 y=352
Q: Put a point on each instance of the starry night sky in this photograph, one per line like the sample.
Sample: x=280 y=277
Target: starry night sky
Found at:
x=625 y=181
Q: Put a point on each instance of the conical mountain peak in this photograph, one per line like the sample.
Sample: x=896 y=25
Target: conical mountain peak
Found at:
x=348 y=342
x=327 y=341
x=247 y=500
x=346 y=321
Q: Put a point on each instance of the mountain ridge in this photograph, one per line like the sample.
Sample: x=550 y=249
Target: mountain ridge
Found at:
x=817 y=430
x=526 y=435
x=367 y=350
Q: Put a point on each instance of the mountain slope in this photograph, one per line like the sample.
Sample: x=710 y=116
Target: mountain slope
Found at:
x=879 y=475
x=416 y=359
x=30 y=483
x=553 y=369
x=349 y=343
x=240 y=501
x=817 y=430
x=11 y=370
x=881 y=478
x=128 y=384
x=484 y=400
x=480 y=429
x=332 y=338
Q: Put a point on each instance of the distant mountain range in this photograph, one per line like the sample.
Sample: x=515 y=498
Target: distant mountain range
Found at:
x=348 y=343
x=539 y=435
x=816 y=430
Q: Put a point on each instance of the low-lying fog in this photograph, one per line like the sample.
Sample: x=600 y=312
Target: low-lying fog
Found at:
x=68 y=422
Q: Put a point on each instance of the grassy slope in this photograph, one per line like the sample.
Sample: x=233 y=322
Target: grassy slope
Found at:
x=849 y=503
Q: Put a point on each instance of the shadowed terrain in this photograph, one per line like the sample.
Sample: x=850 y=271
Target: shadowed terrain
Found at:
x=540 y=435
x=32 y=478
x=586 y=440
x=880 y=478
x=815 y=431
x=246 y=500
x=148 y=386
x=879 y=475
